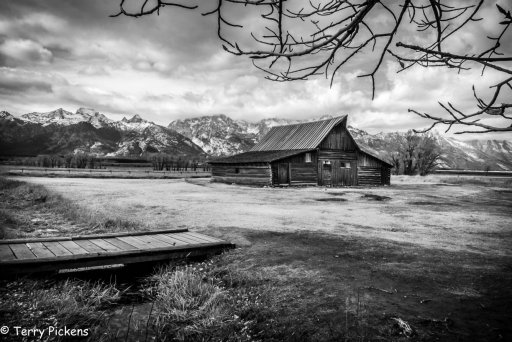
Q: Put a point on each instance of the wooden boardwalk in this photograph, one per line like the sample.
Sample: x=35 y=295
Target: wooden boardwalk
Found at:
x=55 y=253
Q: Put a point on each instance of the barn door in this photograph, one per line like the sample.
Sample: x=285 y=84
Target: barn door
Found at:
x=283 y=176
x=348 y=170
x=326 y=173
x=344 y=173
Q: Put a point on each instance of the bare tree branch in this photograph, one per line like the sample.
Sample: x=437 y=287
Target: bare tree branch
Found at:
x=298 y=40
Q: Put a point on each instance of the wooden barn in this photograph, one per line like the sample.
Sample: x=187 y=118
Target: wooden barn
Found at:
x=314 y=153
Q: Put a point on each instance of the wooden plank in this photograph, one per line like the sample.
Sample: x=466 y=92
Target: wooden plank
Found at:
x=105 y=245
x=102 y=236
x=57 y=248
x=89 y=246
x=204 y=237
x=170 y=239
x=73 y=247
x=21 y=251
x=54 y=238
x=152 y=242
x=114 y=255
x=120 y=244
x=197 y=239
x=132 y=241
x=186 y=239
x=40 y=250
x=6 y=253
x=86 y=237
x=90 y=260
x=54 y=255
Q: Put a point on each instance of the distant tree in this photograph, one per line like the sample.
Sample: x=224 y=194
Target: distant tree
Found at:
x=396 y=161
x=68 y=160
x=54 y=160
x=179 y=163
x=160 y=161
x=80 y=160
x=408 y=150
x=416 y=153
x=43 y=160
x=427 y=155
x=91 y=161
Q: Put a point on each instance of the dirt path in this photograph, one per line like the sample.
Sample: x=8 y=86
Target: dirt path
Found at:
x=455 y=218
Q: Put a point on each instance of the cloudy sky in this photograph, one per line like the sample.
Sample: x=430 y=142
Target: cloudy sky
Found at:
x=71 y=54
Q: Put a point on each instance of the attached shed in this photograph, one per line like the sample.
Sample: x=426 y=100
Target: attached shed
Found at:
x=313 y=153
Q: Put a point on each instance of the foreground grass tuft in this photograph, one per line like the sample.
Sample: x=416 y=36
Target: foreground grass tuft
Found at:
x=187 y=305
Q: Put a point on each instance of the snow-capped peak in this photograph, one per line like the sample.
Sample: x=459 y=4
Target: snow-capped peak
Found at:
x=136 y=118
x=58 y=116
x=63 y=118
x=6 y=116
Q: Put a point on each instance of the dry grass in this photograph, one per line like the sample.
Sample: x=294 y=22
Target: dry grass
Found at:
x=71 y=303
x=320 y=271
x=29 y=210
x=479 y=180
x=190 y=306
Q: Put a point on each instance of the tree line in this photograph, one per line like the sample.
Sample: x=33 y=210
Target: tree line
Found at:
x=169 y=162
x=79 y=160
x=415 y=154
x=82 y=160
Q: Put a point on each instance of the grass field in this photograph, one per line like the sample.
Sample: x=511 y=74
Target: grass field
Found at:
x=433 y=254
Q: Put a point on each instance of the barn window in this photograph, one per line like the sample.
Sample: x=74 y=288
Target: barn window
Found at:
x=237 y=170
x=327 y=162
x=346 y=165
x=308 y=157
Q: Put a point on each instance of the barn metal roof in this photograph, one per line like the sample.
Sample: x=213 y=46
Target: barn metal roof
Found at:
x=371 y=152
x=296 y=137
x=258 y=156
x=286 y=141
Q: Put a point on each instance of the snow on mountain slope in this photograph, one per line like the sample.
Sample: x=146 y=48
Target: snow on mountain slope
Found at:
x=221 y=135
x=87 y=130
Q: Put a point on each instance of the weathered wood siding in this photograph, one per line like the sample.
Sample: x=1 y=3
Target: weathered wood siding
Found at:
x=333 y=154
x=338 y=139
x=369 y=175
x=303 y=174
x=372 y=171
x=335 y=174
x=256 y=174
x=299 y=172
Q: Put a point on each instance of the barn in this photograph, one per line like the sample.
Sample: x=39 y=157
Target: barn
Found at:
x=314 y=153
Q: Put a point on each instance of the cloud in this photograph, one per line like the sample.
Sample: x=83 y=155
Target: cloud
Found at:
x=94 y=70
x=26 y=83
x=71 y=54
x=23 y=51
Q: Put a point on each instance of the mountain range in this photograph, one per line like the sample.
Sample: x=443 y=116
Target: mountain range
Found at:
x=61 y=132
x=86 y=130
x=220 y=135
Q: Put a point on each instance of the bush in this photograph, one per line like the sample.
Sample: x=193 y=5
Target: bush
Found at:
x=187 y=306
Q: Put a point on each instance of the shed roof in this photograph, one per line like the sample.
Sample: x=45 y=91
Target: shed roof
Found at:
x=286 y=141
x=299 y=136
x=258 y=156
x=371 y=152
